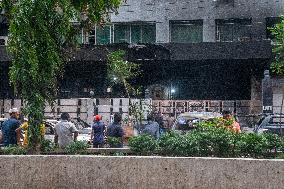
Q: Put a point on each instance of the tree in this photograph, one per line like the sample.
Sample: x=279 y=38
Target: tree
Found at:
x=40 y=34
x=277 y=66
x=123 y=71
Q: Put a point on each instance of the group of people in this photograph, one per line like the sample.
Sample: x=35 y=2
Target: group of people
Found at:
x=66 y=132
x=15 y=130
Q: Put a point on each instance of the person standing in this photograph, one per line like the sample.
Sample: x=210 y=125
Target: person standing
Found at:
x=25 y=127
x=64 y=131
x=97 y=135
x=9 y=127
x=115 y=130
x=234 y=125
x=152 y=127
x=159 y=118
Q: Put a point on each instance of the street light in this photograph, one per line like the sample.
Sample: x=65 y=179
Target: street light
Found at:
x=173 y=91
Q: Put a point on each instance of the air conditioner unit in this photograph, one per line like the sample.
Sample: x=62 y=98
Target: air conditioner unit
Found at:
x=3 y=40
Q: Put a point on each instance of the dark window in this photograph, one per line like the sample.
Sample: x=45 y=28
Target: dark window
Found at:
x=100 y=35
x=186 y=31
x=233 y=29
x=224 y=2
x=270 y=23
x=135 y=33
x=103 y=35
x=121 y=33
x=3 y=29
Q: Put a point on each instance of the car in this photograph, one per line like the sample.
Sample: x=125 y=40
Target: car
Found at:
x=1 y=122
x=271 y=124
x=188 y=121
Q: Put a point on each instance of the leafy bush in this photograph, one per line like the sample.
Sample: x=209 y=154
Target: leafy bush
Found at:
x=252 y=145
x=143 y=144
x=172 y=144
x=113 y=141
x=47 y=146
x=78 y=147
x=213 y=139
x=13 y=150
x=274 y=142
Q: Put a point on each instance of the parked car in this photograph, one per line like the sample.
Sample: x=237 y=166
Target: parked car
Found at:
x=1 y=122
x=271 y=124
x=188 y=121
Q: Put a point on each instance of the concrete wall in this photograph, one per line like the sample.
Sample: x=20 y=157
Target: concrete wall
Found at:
x=162 y=11
x=85 y=108
x=139 y=172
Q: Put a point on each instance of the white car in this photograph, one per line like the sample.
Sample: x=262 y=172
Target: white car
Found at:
x=187 y=121
x=1 y=122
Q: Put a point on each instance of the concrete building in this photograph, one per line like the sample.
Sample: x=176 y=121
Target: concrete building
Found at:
x=188 y=49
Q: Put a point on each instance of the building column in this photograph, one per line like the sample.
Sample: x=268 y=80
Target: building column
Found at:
x=209 y=30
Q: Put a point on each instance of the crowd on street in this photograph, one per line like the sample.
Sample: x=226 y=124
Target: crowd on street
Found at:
x=15 y=130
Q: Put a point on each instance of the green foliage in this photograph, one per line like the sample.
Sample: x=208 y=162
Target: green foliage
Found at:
x=122 y=70
x=13 y=150
x=277 y=67
x=252 y=145
x=173 y=144
x=213 y=139
x=113 y=141
x=40 y=34
x=143 y=144
x=47 y=146
x=78 y=147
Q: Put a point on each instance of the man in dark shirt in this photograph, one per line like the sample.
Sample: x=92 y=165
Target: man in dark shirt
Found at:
x=9 y=128
x=115 y=130
x=152 y=127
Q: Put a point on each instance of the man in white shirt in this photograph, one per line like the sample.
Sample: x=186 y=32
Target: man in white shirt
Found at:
x=64 y=131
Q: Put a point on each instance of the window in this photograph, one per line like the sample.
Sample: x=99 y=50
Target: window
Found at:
x=123 y=33
x=3 y=29
x=233 y=30
x=101 y=35
x=224 y=2
x=186 y=31
x=135 y=33
x=270 y=23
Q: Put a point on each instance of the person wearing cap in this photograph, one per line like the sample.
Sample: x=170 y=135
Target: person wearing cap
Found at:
x=9 y=127
x=98 y=129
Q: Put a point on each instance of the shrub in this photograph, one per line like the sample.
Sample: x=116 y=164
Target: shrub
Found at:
x=47 y=146
x=13 y=150
x=274 y=142
x=143 y=144
x=113 y=141
x=252 y=145
x=172 y=144
x=78 y=147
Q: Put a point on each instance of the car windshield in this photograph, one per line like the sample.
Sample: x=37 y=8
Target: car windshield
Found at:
x=186 y=123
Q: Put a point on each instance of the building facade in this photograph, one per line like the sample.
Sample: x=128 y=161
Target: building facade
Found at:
x=188 y=49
